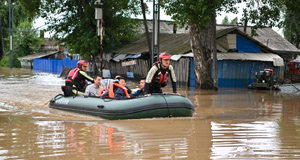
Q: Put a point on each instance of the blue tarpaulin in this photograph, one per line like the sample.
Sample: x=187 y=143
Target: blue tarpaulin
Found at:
x=245 y=45
x=136 y=56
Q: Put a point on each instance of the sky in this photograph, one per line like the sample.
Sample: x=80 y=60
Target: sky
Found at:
x=40 y=22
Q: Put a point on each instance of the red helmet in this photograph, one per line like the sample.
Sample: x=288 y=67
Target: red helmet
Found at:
x=81 y=63
x=164 y=55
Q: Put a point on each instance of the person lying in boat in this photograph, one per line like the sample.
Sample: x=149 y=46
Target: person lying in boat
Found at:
x=158 y=75
x=139 y=92
x=121 y=91
x=75 y=82
x=108 y=83
x=93 y=89
x=104 y=88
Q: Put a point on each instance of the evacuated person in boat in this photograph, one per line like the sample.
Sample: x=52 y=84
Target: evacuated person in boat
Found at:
x=158 y=75
x=93 y=89
x=121 y=91
x=128 y=89
x=75 y=81
x=139 y=92
x=108 y=83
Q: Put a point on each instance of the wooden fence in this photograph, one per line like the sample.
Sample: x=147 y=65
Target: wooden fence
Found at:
x=141 y=68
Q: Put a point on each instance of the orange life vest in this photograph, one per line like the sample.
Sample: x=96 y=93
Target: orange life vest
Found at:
x=111 y=93
x=101 y=91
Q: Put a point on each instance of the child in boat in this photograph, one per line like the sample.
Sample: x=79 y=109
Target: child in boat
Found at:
x=140 y=92
x=122 y=91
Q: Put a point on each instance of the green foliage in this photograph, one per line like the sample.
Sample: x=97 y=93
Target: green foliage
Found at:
x=234 y=21
x=26 y=12
x=225 y=20
x=73 y=22
x=291 y=22
x=4 y=62
x=26 y=40
x=196 y=11
x=260 y=13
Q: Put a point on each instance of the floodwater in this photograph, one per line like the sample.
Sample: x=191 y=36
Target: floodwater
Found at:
x=228 y=124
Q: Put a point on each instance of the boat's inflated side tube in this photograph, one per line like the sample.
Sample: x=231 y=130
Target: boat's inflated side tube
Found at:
x=145 y=107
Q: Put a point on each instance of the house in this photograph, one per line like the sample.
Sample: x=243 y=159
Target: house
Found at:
x=49 y=49
x=239 y=55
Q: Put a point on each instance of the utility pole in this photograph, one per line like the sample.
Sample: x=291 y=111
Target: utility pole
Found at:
x=11 y=18
x=155 y=31
x=100 y=31
x=10 y=38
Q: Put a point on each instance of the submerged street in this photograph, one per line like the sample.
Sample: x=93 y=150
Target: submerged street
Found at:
x=230 y=123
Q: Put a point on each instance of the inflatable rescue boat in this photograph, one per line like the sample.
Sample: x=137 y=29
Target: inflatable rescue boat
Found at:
x=158 y=105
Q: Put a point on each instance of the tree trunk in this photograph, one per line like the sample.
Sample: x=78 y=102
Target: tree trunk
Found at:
x=202 y=44
x=146 y=26
x=2 y=52
x=214 y=32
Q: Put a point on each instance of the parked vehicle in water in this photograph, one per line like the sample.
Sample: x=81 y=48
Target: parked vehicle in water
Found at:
x=264 y=80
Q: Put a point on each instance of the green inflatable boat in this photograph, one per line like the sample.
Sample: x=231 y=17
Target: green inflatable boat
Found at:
x=159 y=105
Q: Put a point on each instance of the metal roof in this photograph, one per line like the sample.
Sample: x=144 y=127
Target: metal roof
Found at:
x=119 y=57
x=268 y=57
x=38 y=55
x=172 y=43
x=268 y=37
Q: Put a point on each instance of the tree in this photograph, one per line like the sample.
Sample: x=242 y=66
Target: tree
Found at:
x=225 y=20
x=198 y=15
x=291 y=22
x=234 y=21
x=27 y=40
x=27 y=11
x=73 y=22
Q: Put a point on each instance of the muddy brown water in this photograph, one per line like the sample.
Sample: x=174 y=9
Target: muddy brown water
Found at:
x=228 y=124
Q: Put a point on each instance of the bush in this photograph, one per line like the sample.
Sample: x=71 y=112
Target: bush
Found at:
x=5 y=62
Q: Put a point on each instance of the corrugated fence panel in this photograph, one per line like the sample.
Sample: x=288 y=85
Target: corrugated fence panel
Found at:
x=68 y=63
x=53 y=65
x=239 y=74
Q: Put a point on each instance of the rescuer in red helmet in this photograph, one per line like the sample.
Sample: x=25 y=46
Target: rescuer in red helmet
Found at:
x=158 y=75
x=75 y=81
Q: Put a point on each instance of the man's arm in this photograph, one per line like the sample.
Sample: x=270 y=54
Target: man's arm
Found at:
x=149 y=78
x=87 y=77
x=173 y=79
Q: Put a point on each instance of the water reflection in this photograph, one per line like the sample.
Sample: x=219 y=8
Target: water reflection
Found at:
x=107 y=139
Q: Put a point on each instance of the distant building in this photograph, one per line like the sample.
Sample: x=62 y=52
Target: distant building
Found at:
x=239 y=55
x=49 y=49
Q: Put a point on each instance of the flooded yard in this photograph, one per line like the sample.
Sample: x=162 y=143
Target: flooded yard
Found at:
x=228 y=124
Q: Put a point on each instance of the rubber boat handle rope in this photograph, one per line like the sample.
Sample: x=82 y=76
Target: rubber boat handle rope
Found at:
x=167 y=94
x=163 y=95
x=59 y=96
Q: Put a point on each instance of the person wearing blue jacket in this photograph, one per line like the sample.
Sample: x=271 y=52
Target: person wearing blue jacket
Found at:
x=140 y=92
